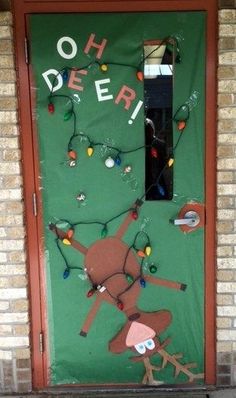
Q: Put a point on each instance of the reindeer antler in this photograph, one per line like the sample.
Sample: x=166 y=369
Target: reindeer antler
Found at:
x=128 y=219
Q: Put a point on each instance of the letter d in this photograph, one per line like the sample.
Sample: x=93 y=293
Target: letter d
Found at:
x=58 y=77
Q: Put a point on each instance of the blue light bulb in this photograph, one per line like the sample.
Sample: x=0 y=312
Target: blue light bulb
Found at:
x=118 y=160
x=161 y=190
x=142 y=282
x=65 y=75
x=66 y=273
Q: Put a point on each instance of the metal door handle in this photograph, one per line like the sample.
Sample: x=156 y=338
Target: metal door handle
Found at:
x=191 y=219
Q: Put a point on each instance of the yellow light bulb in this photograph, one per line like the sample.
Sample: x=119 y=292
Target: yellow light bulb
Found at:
x=104 y=68
x=90 y=151
x=148 y=250
x=170 y=162
x=66 y=242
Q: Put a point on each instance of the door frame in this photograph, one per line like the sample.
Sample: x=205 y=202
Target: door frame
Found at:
x=34 y=247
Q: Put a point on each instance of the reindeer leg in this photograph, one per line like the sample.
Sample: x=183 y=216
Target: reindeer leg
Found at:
x=165 y=282
x=179 y=367
x=91 y=315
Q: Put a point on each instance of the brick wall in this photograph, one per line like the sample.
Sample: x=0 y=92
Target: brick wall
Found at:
x=226 y=225
x=14 y=328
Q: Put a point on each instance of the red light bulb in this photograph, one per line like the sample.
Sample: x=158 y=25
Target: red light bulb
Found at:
x=70 y=233
x=51 y=107
x=120 y=305
x=154 y=153
x=90 y=293
x=72 y=155
x=134 y=215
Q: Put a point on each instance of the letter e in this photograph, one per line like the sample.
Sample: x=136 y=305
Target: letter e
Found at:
x=102 y=91
x=75 y=79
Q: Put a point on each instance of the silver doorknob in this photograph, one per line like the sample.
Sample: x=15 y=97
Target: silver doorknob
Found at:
x=191 y=219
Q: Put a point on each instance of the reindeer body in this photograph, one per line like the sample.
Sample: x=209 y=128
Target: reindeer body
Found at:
x=107 y=263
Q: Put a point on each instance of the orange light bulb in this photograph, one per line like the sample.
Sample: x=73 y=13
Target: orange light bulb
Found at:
x=139 y=75
x=181 y=125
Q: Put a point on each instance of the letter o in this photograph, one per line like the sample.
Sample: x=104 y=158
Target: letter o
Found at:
x=73 y=47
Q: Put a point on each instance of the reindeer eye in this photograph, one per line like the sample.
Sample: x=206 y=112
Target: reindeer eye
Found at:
x=140 y=348
x=149 y=344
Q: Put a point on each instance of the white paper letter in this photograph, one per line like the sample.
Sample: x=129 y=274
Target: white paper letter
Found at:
x=73 y=47
x=102 y=91
x=58 y=77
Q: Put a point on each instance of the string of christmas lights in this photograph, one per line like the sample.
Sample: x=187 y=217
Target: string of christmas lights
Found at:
x=133 y=210
x=181 y=123
x=104 y=230
x=141 y=250
x=68 y=267
x=142 y=253
x=170 y=42
x=116 y=158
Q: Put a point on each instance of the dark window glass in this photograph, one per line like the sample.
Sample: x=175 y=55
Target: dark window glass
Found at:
x=158 y=93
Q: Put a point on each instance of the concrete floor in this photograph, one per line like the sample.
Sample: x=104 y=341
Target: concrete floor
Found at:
x=214 y=393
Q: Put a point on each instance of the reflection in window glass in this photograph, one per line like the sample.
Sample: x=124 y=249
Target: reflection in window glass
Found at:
x=158 y=87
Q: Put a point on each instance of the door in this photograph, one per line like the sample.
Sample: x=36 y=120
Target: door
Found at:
x=119 y=114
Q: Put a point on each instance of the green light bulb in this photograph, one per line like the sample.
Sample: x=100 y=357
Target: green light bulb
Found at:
x=68 y=115
x=129 y=278
x=153 y=268
x=104 y=232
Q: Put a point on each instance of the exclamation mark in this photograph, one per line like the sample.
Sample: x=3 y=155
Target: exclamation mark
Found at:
x=135 y=112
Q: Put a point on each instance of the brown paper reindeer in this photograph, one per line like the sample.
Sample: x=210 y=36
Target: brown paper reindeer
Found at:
x=104 y=262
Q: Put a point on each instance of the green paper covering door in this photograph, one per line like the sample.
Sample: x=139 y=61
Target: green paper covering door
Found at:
x=94 y=101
